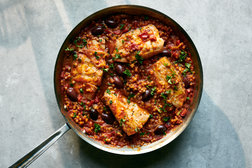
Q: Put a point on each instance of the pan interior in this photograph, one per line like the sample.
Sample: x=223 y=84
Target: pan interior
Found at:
x=133 y=10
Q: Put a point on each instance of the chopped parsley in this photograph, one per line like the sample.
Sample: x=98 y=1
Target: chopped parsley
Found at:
x=117 y=56
x=111 y=66
x=182 y=56
x=110 y=102
x=85 y=42
x=187 y=65
x=123 y=41
x=81 y=90
x=129 y=97
x=153 y=90
x=127 y=72
x=97 y=128
x=166 y=64
x=75 y=56
x=108 y=91
x=100 y=40
x=165 y=119
x=137 y=129
x=121 y=26
x=158 y=109
x=168 y=78
x=105 y=69
x=187 y=98
x=141 y=133
x=139 y=58
x=151 y=116
x=74 y=115
x=187 y=68
x=122 y=121
x=163 y=95
x=69 y=49
x=96 y=56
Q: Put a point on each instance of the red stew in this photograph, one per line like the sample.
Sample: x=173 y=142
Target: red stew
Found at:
x=94 y=66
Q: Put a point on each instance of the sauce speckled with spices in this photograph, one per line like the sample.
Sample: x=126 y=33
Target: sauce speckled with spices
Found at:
x=127 y=80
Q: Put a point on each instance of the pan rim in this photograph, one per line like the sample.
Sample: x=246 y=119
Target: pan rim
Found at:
x=161 y=142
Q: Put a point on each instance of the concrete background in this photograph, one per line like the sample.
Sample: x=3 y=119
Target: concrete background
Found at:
x=31 y=33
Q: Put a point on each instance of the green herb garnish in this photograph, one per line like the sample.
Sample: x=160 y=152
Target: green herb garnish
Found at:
x=163 y=95
x=168 y=78
x=121 y=26
x=110 y=102
x=122 y=121
x=69 y=49
x=111 y=66
x=153 y=90
x=141 y=133
x=165 y=119
x=127 y=72
x=81 y=90
x=108 y=91
x=75 y=56
x=139 y=58
x=182 y=56
x=85 y=42
x=96 y=56
x=97 y=128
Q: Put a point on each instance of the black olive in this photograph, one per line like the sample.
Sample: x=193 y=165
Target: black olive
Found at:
x=119 y=69
x=118 y=82
x=97 y=30
x=146 y=95
x=93 y=114
x=160 y=130
x=166 y=53
x=111 y=23
x=186 y=82
x=71 y=94
x=108 y=118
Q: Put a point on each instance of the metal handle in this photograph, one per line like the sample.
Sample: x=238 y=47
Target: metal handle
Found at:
x=39 y=150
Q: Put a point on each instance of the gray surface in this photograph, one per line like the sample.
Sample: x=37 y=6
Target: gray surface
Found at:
x=31 y=33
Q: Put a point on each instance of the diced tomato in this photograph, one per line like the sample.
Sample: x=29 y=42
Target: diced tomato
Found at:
x=177 y=42
x=125 y=30
x=107 y=31
x=183 y=113
x=144 y=36
x=117 y=32
x=153 y=37
x=134 y=47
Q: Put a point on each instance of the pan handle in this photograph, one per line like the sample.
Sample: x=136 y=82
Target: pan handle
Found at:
x=39 y=150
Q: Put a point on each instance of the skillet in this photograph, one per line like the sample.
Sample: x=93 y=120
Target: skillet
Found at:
x=70 y=124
